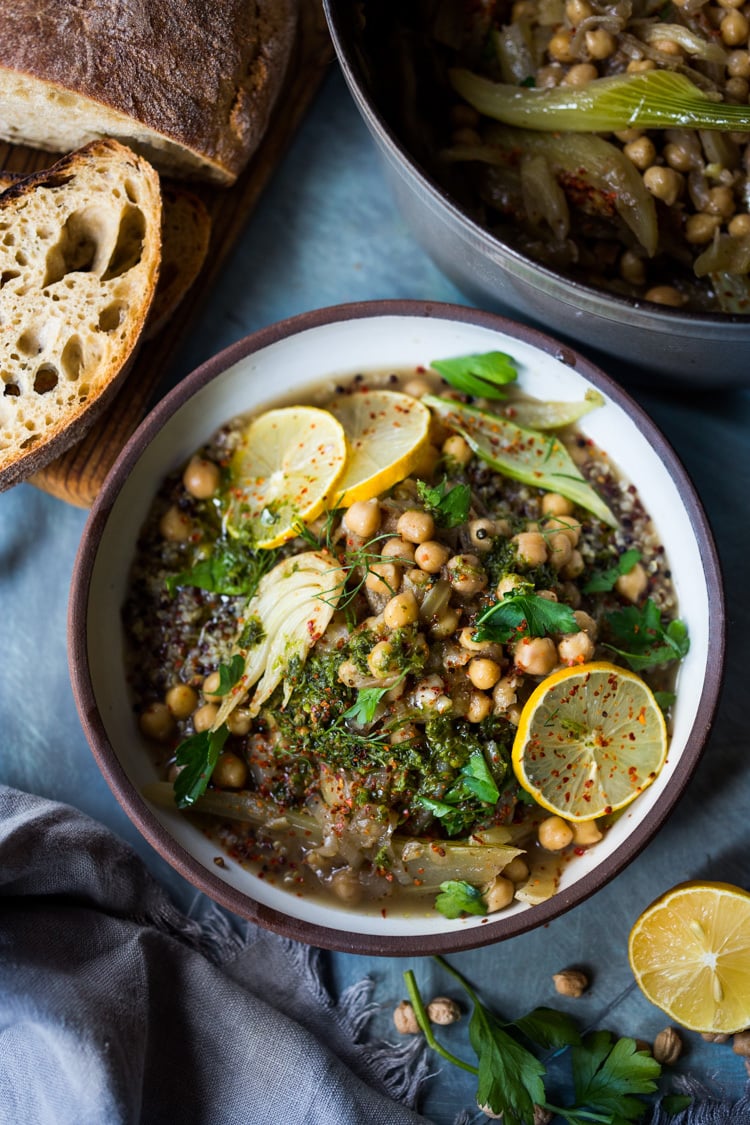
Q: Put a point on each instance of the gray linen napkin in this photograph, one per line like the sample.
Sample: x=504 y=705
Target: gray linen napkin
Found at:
x=115 y=1008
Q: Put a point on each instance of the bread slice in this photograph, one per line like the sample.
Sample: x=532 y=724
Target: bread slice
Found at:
x=185 y=238
x=80 y=247
x=187 y=83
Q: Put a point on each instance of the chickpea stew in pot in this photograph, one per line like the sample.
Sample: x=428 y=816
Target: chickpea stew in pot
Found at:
x=409 y=648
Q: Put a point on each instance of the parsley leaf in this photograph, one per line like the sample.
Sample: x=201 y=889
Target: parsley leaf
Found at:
x=363 y=709
x=229 y=674
x=481 y=375
x=606 y=1076
x=603 y=580
x=641 y=639
x=227 y=570
x=457 y=897
x=449 y=506
x=524 y=615
x=548 y=1028
x=474 y=780
x=198 y=755
x=510 y=1077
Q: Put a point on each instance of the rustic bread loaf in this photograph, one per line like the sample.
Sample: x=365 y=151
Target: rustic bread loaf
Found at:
x=80 y=247
x=187 y=83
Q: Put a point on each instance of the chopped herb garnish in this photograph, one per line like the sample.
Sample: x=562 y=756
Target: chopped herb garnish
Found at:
x=363 y=709
x=448 y=506
x=480 y=375
x=637 y=635
x=252 y=633
x=524 y=615
x=197 y=755
x=227 y=570
x=458 y=897
x=603 y=580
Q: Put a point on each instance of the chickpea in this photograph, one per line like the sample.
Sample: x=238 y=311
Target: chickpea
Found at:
x=734 y=29
x=574 y=566
x=738 y=64
x=230 y=772
x=431 y=556
x=535 y=655
x=239 y=721
x=549 y=76
x=577 y=11
x=419 y=386
x=210 y=688
x=668 y=47
x=446 y=623
x=558 y=47
x=201 y=478
x=363 y=518
x=721 y=201
x=548 y=595
x=581 y=74
x=517 y=870
x=554 y=833
x=600 y=44
x=553 y=504
x=642 y=153
x=729 y=4
x=428 y=459
x=466 y=575
x=586 y=622
x=531 y=548
x=560 y=550
x=346 y=886
x=203 y=718
x=181 y=700
x=700 y=228
x=638 y=66
x=504 y=693
x=678 y=157
x=507 y=584
x=625 y=136
x=586 y=833
x=419 y=582
x=399 y=550
x=575 y=648
x=380 y=660
x=633 y=584
x=632 y=268
x=415 y=526
x=737 y=89
x=739 y=225
x=401 y=610
x=479 y=707
x=483 y=672
x=466 y=640
x=481 y=534
x=383 y=578
x=457 y=449
x=665 y=295
x=663 y=183
x=175 y=526
x=157 y=722
x=498 y=894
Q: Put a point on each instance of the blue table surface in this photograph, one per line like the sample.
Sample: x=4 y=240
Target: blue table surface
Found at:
x=326 y=232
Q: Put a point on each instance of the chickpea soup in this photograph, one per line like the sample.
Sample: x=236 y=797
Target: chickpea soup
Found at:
x=408 y=643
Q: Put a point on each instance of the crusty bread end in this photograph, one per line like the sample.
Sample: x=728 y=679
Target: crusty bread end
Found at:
x=80 y=247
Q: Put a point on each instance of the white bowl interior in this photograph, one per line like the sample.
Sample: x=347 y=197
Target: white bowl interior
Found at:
x=331 y=351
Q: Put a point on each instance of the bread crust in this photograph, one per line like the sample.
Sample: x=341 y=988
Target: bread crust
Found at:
x=189 y=83
x=80 y=247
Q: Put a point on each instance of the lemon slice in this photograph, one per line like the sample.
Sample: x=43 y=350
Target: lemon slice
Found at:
x=690 y=953
x=284 y=467
x=386 y=432
x=589 y=740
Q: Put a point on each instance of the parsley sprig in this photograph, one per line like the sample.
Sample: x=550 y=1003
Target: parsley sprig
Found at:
x=639 y=637
x=609 y=1075
x=197 y=755
x=448 y=506
x=228 y=569
x=522 y=613
x=456 y=809
x=603 y=580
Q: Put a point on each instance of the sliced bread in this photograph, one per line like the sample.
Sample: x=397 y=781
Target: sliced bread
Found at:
x=187 y=83
x=80 y=247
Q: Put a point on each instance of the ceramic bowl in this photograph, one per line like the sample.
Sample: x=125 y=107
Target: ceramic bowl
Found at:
x=650 y=343
x=275 y=363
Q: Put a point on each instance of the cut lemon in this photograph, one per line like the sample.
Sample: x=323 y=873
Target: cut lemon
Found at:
x=386 y=432
x=589 y=740
x=690 y=953
x=282 y=471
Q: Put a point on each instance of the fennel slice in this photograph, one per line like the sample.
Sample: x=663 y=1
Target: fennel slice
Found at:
x=530 y=456
x=294 y=604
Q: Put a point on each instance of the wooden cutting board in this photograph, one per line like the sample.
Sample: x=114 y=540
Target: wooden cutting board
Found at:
x=77 y=475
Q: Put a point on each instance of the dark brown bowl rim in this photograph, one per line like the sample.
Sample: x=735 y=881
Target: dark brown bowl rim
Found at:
x=352 y=70
x=191 y=868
